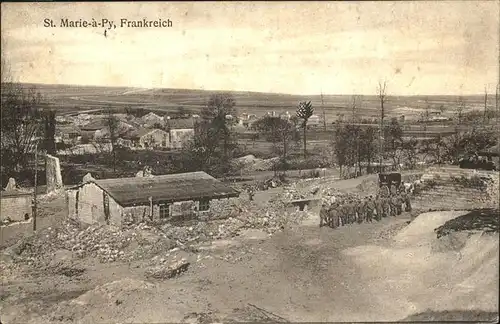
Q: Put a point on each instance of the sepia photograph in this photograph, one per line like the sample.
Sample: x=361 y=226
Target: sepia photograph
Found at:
x=250 y=162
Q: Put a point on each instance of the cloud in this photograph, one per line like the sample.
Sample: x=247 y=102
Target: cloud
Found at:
x=283 y=47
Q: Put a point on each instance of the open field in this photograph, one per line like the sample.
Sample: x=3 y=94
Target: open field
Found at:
x=71 y=99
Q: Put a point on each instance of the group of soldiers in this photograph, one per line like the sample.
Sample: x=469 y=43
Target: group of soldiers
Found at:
x=358 y=210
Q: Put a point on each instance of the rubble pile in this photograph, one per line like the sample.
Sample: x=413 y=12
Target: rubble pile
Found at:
x=103 y=242
x=302 y=189
x=263 y=185
x=291 y=192
x=106 y=243
x=250 y=163
x=202 y=231
x=147 y=241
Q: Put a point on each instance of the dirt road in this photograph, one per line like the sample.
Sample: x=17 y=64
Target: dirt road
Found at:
x=301 y=274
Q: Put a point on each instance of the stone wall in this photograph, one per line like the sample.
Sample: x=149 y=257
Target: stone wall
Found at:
x=15 y=207
x=90 y=210
x=448 y=194
x=136 y=214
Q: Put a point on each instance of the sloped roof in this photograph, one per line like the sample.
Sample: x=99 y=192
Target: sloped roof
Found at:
x=94 y=125
x=181 y=123
x=151 y=115
x=67 y=129
x=165 y=188
x=138 y=133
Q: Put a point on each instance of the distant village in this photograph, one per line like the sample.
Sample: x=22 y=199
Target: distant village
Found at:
x=86 y=133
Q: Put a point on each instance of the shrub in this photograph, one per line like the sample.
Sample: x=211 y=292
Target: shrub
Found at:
x=311 y=174
x=428 y=184
x=474 y=182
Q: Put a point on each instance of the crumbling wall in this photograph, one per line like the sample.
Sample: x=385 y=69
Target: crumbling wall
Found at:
x=493 y=189
x=136 y=214
x=446 y=193
x=116 y=213
x=72 y=204
x=53 y=173
x=90 y=204
x=15 y=207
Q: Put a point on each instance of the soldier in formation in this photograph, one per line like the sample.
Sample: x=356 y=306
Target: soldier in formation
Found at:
x=407 y=201
x=358 y=210
x=334 y=220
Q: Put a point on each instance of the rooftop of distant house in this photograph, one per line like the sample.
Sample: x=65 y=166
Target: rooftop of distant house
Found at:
x=94 y=125
x=67 y=129
x=181 y=123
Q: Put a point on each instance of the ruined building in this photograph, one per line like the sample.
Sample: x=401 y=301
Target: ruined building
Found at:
x=163 y=198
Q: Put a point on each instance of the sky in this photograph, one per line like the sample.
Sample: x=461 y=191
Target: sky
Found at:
x=417 y=47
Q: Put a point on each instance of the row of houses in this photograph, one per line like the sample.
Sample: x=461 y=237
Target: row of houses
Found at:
x=247 y=120
x=175 y=133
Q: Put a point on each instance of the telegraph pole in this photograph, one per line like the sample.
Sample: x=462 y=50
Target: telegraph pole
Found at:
x=381 y=138
x=497 y=111
x=485 y=103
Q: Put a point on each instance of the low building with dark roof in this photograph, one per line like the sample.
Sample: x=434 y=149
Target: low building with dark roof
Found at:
x=161 y=198
x=148 y=138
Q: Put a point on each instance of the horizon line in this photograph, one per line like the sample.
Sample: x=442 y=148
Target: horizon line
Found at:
x=247 y=91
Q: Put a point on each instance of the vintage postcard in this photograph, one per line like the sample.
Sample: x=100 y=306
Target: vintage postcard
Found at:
x=256 y=161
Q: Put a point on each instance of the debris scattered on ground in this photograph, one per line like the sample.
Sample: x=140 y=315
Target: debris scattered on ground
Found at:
x=252 y=313
x=200 y=318
x=163 y=271
x=68 y=271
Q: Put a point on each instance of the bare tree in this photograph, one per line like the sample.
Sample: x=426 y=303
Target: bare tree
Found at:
x=324 y=113
x=112 y=123
x=382 y=94
x=49 y=118
x=354 y=102
x=20 y=120
x=459 y=110
x=212 y=148
x=304 y=112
